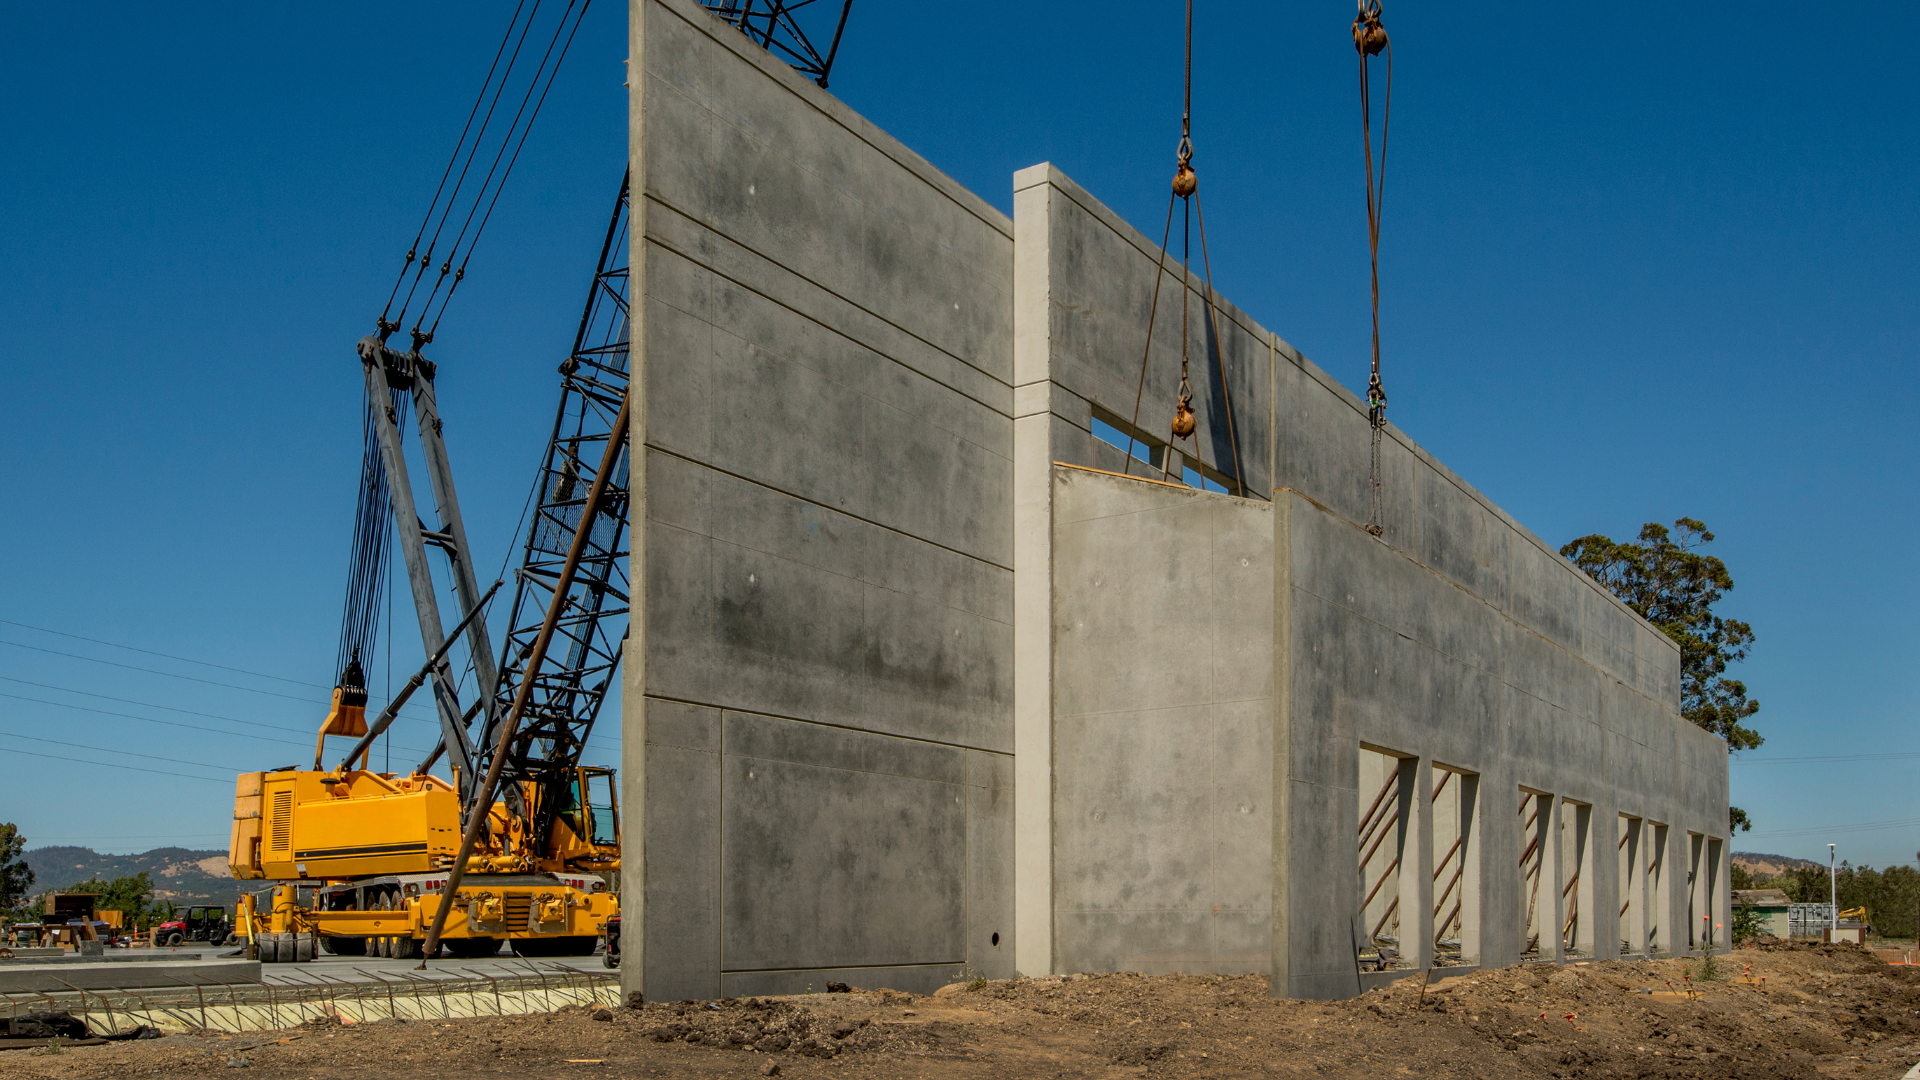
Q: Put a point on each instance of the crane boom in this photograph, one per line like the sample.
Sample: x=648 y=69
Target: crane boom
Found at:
x=584 y=655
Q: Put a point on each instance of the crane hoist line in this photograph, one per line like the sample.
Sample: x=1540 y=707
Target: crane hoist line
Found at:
x=520 y=846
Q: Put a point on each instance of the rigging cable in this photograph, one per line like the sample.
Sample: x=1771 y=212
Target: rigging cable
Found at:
x=551 y=73
x=1186 y=188
x=412 y=251
x=1370 y=40
x=473 y=150
x=368 y=558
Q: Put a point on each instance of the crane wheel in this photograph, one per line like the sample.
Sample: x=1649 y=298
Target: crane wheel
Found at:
x=406 y=947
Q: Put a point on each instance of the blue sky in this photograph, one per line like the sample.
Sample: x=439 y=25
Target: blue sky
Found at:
x=1636 y=264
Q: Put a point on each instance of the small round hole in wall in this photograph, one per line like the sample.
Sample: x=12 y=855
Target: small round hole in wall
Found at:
x=996 y=937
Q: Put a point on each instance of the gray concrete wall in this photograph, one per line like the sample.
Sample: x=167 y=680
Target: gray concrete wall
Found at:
x=1386 y=651
x=1495 y=657
x=1163 y=727
x=818 y=681
x=862 y=702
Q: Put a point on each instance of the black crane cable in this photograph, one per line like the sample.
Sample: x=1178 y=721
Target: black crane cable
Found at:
x=511 y=162
x=368 y=558
x=550 y=68
x=427 y=218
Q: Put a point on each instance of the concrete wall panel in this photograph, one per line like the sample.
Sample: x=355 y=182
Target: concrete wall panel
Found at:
x=841 y=848
x=823 y=341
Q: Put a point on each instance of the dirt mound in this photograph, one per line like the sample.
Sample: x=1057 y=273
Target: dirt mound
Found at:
x=1781 y=1011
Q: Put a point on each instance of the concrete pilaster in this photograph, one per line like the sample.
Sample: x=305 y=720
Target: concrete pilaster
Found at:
x=633 y=659
x=1033 y=579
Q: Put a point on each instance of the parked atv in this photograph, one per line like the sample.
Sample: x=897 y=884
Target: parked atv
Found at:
x=208 y=924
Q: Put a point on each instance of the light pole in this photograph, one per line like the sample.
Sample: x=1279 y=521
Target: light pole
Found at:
x=1833 y=890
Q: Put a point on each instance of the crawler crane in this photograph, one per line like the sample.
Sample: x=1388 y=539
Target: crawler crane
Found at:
x=364 y=862
x=363 y=857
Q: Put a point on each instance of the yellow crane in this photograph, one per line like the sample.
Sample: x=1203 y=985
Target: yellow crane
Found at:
x=521 y=845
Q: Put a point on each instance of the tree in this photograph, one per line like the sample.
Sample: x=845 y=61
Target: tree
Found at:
x=131 y=895
x=1746 y=923
x=1674 y=587
x=16 y=877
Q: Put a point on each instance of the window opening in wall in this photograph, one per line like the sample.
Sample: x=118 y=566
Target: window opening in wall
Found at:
x=1115 y=436
x=1657 y=906
x=1696 y=905
x=1533 y=830
x=1196 y=479
x=1386 y=782
x=1630 y=855
x=1452 y=799
x=1576 y=888
x=1713 y=923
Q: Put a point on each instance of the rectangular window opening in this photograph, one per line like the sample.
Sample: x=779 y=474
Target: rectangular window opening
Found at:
x=1576 y=885
x=1630 y=918
x=1535 y=815
x=1195 y=478
x=1114 y=431
x=1657 y=894
x=1385 y=807
x=1696 y=890
x=1456 y=921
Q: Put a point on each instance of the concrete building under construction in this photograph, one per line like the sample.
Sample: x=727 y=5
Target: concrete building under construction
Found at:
x=919 y=681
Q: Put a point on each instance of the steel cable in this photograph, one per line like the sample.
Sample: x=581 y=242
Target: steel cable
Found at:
x=427 y=219
x=426 y=259
x=1370 y=39
x=551 y=74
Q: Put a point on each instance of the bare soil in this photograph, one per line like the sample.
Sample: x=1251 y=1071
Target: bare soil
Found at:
x=1790 y=1011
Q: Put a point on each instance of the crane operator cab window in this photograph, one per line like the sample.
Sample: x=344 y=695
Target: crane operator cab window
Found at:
x=593 y=813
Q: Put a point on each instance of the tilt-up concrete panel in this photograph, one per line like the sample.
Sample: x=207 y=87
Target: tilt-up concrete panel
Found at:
x=1163 y=727
x=819 y=677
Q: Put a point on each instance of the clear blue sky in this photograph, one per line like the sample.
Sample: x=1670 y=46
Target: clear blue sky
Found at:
x=1637 y=263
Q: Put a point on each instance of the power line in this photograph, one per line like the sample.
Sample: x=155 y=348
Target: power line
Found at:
x=1826 y=830
x=307 y=699
x=111 y=765
x=152 y=720
x=104 y=750
x=149 y=705
x=1835 y=757
x=168 y=656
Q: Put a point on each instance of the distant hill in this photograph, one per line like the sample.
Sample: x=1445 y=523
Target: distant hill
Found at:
x=1770 y=865
x=180 y=875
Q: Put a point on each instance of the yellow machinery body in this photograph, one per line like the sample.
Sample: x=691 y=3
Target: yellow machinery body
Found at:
x=372 y=851
x=321 y=825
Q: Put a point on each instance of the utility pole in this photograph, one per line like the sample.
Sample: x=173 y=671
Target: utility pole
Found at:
x=1833 y=890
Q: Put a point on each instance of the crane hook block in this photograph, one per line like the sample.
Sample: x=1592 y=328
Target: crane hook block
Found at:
x=1369 y=36
x=1183 y=421
x=1185 y=181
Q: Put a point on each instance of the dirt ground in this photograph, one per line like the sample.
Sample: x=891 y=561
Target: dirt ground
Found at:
x=1787 y=1011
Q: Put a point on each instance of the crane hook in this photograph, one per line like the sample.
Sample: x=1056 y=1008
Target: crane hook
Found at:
x=1369 y=37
